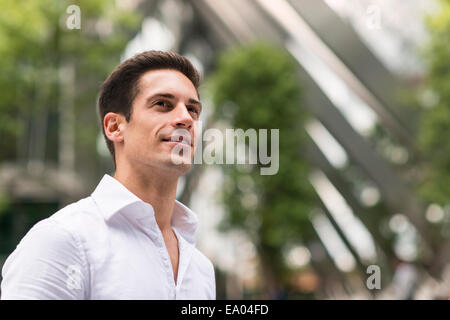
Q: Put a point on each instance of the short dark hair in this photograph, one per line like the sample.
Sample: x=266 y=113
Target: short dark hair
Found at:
x=119 y=90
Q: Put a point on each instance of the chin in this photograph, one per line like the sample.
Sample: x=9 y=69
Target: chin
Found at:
x=181 y=169
x=178 y=164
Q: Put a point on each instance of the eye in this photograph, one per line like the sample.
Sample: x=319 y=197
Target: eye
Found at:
x=163 y=104
x=193 y=109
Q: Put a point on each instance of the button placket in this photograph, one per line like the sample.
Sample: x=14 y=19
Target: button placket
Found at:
x=186 y=252
x=180 y=263
x=164 y=253
x=149 y=225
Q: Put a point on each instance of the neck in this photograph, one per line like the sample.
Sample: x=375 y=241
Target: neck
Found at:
x=155 y=187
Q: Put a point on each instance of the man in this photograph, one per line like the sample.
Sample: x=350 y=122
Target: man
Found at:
x=130 y=239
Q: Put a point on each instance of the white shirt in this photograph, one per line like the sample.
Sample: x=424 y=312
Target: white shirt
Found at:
x=107 y=246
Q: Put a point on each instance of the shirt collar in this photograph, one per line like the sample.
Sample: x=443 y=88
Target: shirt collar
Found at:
x=111 y=196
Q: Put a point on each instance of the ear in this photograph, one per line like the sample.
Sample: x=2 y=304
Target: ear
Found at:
x=114 y=124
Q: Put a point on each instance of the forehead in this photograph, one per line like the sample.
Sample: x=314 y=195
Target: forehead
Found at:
x=166 y=81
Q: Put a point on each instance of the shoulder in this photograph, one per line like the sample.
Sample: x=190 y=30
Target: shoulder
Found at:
x=76 y=216
x=39 y=266
x=60 y=236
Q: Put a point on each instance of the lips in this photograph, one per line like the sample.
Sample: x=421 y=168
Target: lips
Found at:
x=178 y=138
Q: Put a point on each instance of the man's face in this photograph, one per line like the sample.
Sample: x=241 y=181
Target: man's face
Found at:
x=165 y=108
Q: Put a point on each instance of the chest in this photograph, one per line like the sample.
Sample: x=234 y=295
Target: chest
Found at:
x=172 y=247
x=137 y=267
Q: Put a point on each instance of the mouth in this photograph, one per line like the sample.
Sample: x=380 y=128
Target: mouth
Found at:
x=186 y=140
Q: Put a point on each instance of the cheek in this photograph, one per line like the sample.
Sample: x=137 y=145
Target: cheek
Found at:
x=135 y=137
x=142 y=135
x=145 y=134
x=197 y=133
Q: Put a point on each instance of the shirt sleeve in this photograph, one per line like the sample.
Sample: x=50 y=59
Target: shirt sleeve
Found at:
x=48 y=264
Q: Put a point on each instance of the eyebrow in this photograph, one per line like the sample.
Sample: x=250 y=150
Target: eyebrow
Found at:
x=171 y=96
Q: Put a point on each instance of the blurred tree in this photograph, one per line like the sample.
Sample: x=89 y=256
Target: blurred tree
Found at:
x=435 y=128
x=49 y=80
x=39 y=51
x=436 y=121
x=256 y=87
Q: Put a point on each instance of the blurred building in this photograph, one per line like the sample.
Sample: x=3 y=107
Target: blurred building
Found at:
x=357 y=62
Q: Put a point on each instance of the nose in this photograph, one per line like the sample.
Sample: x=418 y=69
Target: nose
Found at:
x=182 y=117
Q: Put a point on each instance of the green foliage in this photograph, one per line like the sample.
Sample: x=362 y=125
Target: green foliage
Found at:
x=35 y=45
x=435 y=128
x=35 y=42
x=259 y=83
